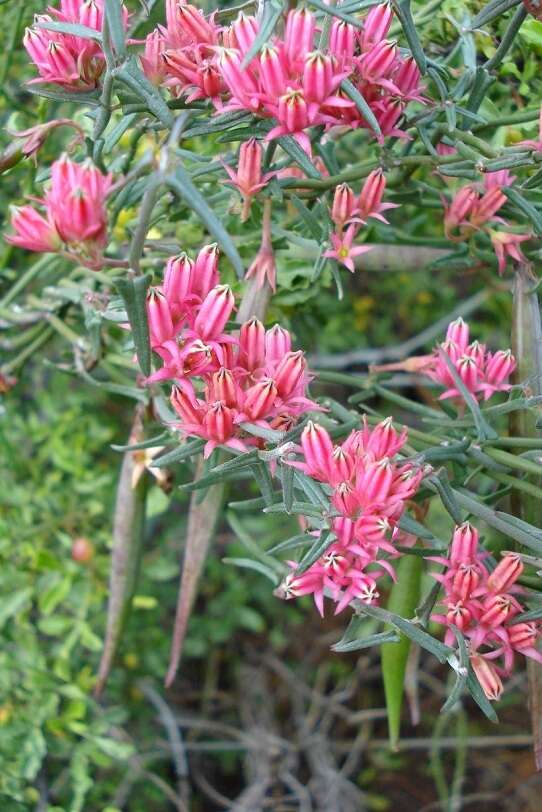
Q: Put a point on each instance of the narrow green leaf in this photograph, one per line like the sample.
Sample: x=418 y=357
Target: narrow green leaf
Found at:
x=324 y=540
x=365 y=642
x=265 y=483
x=287 y=476
x=182 y=185
x=134 y=295
x=314 y=226
x=412 y=630
x=447 y=495
x=403 y=599
x=311 y=489
x=183 y=452
x=526 y=207
x=133 y=77
x=461 y=670
x=300 y=540
x=402 y=9
x=485 y=431
x=257 y=566
x=223 y=122
x=336 y=11
x=113 y=15
x=75 y=29
x=92 y=98
x=151 y=443
x=297 y=154
x=363 y=106
x=270 y=15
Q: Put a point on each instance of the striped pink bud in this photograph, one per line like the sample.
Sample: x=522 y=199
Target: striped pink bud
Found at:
x=344 y=204
x=318 y=75
x=218 y=423
x=193 y=23
x=178 y=279
x=458 y=332
x=245 y=30
x=293 y=111
x=277 y=343
x=299 y=34
x=342 y=41
x=523 y=635
x=223 y=387
x=498 y=609
x=465 y=580
x=290 y=373
x=487 y=676
x=205 y=273
x=186 y=406
x=214 y=312
x=506 y=573
x=459 y=615
x=317 y=448
x=378 y=61
x=260 y=399
x=464 y=545
x=273 y=75
x=376 y=25
x=252 y=344
x=159 y=317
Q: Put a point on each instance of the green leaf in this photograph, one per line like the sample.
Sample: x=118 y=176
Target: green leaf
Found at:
x=92 y=98
x=134 y=296
x=477 y=693
x=182 y=185
x=297 y=154
x=403 y=599
x=526 y=207
x=113 y=15
x=133 y=77
x=485 y=431
x=300 y=540
x=365 y=642
x=76 y=30
x=313 y=224
x=324 y=540
x=412 y=630
x=183 y=452
x=265 y=483
x=270 y=15
x=402 y=9
x=257 y=566
x=336 y=12
x=287 y=477
x=151 y=443
x=363 y=107
x=10 y=605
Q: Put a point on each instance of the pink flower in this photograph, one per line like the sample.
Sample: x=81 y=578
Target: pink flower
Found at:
x=33 y=231
x=152 y=62
x=370 y=200
x=506 y=245
x=248 y=178
x=369 y=489
x=343 y=251
x=344 y=205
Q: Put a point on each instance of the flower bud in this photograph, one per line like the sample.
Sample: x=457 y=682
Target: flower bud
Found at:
x=506 y=573
x=378 y=61
x=318 y=75
x=260 y=399
x=293 y=112
x=195 y=26
x=343 y=206
x=458 y=332
x=465 y=580
x=317 y=448
x=299 y=34
x=214 y=312
x=464 y=545
x=459 y=615
x=159 y=317
x=487 y=676
x=523 y=635
x=218 y=423
x=277 y=343
x=82 y=550
x=178 y=279
x=245 y=30
x=186 y=405
x=252 y=345
x=498 y=609
x=290 y=373
x=223 y=387
x=376 y=25
x=273 y=75
x=342 y=41
x=205 y=273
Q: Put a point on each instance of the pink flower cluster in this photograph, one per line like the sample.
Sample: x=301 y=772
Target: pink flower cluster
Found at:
x=481 y=603
x=368 y=489
x=290 y=80
x=73 y=62
x=353 y=212
x=221 y=379
x=474 y=206
x=74 y=218
x=482 y=372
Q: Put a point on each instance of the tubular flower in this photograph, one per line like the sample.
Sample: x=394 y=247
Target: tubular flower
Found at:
x=248 y=179
x=481 y=371
x=482 y=604
x=74 y=219
x=368 y=488
x=289 y=80
x=221 y=379
x=73 y=62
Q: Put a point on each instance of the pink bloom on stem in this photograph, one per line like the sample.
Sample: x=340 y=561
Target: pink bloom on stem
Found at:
x=263 y=269
x=376 y=25
x=152 y=61
x=343 y=251
x=344 y=205
x=487 y=676
x=457 y=213
x=214 y=312
x=252 y=350
x=205 y=275
x=506 y=246
x=33 y=231
x=299 y=35
x=248 y=179
x=370 y=200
